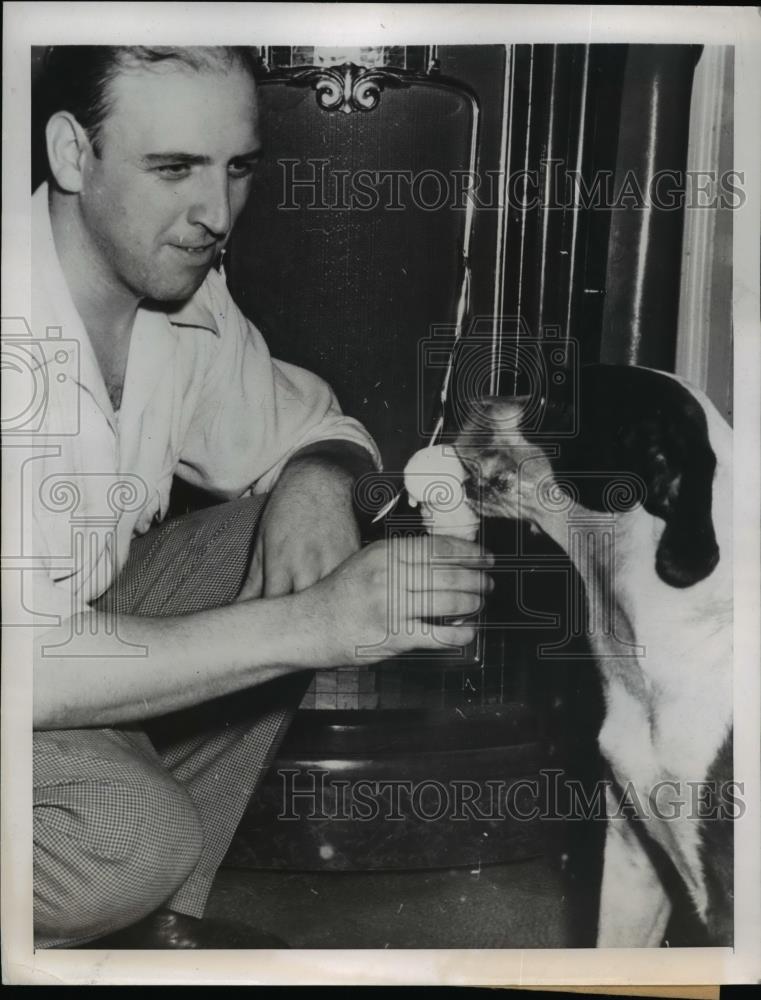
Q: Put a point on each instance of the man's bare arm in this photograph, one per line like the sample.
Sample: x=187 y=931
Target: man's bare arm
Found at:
x=188 y=659
x=194 y=658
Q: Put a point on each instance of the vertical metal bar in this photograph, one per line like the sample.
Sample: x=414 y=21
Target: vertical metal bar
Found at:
x=502 y=216
x=545 y=210
x=577 y=192
x=524 y=211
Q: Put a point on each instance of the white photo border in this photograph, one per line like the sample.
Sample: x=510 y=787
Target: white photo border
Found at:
x=29 y=24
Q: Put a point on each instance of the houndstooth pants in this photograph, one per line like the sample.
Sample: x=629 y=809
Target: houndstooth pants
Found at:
x=128 y=819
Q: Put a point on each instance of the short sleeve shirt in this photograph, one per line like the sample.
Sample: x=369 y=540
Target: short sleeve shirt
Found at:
x=202 y=398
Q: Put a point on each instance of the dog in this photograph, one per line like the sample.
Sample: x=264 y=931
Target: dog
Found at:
x=634 y=482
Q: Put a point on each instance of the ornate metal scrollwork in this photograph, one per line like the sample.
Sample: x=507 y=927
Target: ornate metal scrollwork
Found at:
x=348 y=88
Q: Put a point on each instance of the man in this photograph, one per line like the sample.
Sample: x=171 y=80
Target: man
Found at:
x=150 y=154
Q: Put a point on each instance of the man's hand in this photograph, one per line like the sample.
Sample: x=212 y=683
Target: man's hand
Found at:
x=307 y=529
x=392 y=597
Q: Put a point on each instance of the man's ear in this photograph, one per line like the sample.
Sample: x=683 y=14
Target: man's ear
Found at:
x=67 y=145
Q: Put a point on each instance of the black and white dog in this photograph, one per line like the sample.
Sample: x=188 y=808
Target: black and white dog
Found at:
x=635 y=483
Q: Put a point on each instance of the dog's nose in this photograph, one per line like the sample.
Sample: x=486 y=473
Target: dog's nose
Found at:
x=473 y=481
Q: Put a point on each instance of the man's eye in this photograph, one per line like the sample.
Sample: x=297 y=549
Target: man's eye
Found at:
x=241 y=168
x=174 y=171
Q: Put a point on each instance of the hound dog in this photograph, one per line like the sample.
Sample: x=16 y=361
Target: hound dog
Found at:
x=635 y=482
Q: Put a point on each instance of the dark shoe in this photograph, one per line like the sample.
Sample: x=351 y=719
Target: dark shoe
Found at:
x=167 y=929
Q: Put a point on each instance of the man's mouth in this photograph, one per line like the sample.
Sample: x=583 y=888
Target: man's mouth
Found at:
x=200 y=250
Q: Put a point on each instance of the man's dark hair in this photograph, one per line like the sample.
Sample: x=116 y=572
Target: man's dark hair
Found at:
x=76 y=78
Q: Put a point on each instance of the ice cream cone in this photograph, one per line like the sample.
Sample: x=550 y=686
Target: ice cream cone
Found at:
x=434 y=478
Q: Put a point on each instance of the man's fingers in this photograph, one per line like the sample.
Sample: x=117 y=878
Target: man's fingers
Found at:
x=441 y=548
x=449 y=635
x=424 y=578
x=469 y=581
x=444 y=604
x=450 y=546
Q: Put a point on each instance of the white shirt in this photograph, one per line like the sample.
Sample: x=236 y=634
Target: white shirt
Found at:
x=202 y=398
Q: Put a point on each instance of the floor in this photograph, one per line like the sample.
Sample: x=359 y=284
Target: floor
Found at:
x=523 y=904
x=517 y=905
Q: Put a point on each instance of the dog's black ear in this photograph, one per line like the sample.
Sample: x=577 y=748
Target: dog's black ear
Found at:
x=682 y=487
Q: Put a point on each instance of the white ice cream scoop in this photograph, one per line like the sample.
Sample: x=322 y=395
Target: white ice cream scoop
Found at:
x=434 y=478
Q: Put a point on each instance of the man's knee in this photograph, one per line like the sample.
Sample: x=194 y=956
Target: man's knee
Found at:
x=108 y=852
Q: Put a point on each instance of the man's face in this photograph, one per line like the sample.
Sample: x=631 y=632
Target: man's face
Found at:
x=174 y=173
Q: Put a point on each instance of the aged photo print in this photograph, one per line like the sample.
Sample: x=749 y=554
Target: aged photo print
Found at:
x=380 y=429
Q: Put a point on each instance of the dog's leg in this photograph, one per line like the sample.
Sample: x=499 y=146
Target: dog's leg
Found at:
x=634 y=906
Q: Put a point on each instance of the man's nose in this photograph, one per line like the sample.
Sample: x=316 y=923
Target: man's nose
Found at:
x=212 y=208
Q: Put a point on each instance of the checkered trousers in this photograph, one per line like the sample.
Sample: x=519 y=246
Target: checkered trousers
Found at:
x=128 y=819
